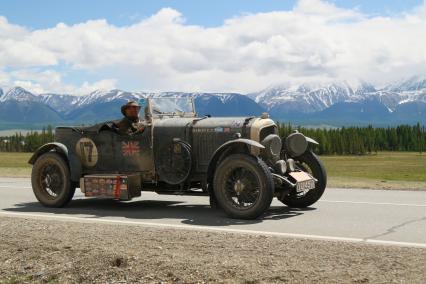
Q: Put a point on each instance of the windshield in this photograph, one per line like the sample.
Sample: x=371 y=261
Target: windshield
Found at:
x=172 y=106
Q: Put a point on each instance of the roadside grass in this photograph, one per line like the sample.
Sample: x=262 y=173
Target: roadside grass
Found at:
x=385 y=170
x=15 y=164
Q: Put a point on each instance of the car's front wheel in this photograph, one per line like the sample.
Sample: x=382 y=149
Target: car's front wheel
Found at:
x=50 y=180
x=310 y=163
x=243 y=186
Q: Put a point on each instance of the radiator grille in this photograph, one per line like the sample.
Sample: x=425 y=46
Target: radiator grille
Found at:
x=205 y=146
x=205 y=143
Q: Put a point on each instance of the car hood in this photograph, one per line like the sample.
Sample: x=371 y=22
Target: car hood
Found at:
x=210 y=122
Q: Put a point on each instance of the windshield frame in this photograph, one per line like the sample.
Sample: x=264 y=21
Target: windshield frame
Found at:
x=153 y=114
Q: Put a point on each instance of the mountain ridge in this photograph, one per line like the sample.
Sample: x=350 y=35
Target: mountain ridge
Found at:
x=335 y=103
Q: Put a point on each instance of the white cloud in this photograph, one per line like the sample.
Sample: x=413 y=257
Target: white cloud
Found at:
x=421 y=10
x=325 y=10
x=87 y=87
x=4 y=78
x=50 y=81
x=315 y=41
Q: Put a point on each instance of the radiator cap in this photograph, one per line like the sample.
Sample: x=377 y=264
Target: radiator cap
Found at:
x=264 y=115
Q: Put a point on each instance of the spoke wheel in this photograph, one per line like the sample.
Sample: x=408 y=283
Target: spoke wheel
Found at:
x=175 y=162
x=50 y=179
x=243 y=186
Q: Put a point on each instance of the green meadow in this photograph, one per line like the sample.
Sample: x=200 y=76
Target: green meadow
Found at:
x=384 y=170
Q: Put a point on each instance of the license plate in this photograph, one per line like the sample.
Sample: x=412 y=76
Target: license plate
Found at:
x=305 y=186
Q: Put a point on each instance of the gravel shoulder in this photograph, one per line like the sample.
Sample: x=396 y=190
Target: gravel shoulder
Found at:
x=69 y=252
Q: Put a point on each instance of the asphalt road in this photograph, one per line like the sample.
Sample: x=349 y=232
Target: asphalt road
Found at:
x=355 y=215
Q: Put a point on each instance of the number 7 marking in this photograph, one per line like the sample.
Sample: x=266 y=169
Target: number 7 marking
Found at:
x=86 y=147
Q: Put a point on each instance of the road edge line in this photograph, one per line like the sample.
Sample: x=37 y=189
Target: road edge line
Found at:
x=223 y=230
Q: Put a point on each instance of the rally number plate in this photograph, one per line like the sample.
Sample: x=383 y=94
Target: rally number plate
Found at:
x=304 y=182
x=305 y=186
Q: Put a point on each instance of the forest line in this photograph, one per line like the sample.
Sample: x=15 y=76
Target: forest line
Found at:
x=332 y=141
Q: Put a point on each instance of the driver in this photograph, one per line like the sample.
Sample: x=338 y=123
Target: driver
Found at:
x=130 y=124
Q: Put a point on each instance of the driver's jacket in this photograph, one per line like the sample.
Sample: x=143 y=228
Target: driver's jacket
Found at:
x=129 y=126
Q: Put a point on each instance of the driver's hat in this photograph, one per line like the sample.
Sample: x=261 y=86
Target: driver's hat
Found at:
x=129 y=104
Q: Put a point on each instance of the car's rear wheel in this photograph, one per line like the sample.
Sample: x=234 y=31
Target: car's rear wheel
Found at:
x=50 y=179
x=243 y=186
x=310 y=163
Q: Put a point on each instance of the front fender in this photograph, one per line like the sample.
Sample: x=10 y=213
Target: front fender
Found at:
x=224 y=147
x=310 y=140
x=59 y=147
x=248 y=142
x=72 y=161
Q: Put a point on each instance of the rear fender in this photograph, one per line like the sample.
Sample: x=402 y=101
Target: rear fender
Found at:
x=72 y=161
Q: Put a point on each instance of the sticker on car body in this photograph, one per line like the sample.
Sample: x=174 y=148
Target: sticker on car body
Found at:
x=87 y=152
x=130 y=148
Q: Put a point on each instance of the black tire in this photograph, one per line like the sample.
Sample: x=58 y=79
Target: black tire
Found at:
x=242 y=179
x=213 y=202
x=308 y=162
x=50 y=180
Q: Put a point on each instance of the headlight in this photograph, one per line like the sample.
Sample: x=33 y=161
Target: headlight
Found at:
x=290 y=165
x=281 y=166
x=296 y=144
x=273 y=145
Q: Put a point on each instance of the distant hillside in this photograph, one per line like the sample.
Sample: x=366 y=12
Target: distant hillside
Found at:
x=334 y=104
x=22 y=109
x=341 y=103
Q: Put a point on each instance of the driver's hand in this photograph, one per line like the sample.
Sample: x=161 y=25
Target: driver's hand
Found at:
x=139 y=126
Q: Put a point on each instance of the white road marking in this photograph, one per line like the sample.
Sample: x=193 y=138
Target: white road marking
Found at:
x=26 y=187
x=215 y=229
x=372 y=203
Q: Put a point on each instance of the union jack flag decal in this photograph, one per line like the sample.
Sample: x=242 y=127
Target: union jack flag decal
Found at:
x=130 y=148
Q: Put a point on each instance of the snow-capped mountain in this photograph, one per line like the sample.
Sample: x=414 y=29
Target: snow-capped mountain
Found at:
x=313 y=98
x=17 y=94
x=68 y=103
x=304 y=98
x=223 y=104
x=411 y=90
x=58 y=102
x=412 y=84
x=104 y=96
x=103 y=105
x=21 y=108
x=337 y=103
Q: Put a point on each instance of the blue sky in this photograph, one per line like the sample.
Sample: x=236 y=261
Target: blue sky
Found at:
x=47 y=13
x=217 y=46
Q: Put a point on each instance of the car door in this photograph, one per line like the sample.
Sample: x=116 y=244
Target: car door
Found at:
x=133 y=153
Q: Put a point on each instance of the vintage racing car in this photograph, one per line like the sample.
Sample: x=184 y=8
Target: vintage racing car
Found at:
x=241 y=163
